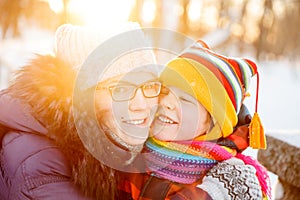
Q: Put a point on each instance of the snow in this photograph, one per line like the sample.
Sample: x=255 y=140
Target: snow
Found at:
x=279 y=95
x=14 y=53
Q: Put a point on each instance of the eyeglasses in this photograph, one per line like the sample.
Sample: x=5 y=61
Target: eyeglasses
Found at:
x=125 y=92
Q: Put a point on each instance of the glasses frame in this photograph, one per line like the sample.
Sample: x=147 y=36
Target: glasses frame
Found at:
x=110 y=88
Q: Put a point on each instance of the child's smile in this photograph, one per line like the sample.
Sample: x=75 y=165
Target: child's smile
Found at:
x=179 y=117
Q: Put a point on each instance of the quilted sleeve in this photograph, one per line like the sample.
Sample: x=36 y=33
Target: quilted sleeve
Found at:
x=34 y=168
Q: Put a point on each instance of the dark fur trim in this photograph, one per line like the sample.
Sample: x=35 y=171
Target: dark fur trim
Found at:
x=46 y=84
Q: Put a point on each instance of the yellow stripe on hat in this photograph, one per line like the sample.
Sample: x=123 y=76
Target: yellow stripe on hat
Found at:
x=195 y=79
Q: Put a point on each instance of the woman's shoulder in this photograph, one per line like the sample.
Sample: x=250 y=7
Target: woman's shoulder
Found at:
x=32 y=154
x=33 y=167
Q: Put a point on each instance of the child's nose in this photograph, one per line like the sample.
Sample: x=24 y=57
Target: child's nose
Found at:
x=168 y=101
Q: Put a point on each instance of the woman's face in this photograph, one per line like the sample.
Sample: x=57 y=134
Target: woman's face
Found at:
x=122 y=105
x=179 y=117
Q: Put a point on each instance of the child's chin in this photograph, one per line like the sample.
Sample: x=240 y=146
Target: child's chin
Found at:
x=163 y=132
x=163 y=136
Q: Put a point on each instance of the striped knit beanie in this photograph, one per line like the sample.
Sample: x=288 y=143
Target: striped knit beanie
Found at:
x=220 y=84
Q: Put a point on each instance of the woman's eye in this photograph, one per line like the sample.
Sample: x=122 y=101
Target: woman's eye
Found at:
x=149 y=86
x=120 y=89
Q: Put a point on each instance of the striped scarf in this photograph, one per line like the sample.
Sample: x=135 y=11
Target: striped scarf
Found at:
x=188 y=161
x=183 y=162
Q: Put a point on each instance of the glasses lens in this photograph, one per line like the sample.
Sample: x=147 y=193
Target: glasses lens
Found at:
x=127 y=92
x=151 y=89
x=122 y=92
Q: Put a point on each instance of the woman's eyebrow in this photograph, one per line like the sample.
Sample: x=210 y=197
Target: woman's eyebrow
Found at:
x=152 y=80
x=117 y=82
x=130 y=83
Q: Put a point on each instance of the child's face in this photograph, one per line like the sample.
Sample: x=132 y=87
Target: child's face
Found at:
x=180 y=116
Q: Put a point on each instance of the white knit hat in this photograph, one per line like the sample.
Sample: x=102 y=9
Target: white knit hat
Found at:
x=74 y=44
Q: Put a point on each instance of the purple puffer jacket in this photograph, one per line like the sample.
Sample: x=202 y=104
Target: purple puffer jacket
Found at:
x=32 y=166
x=41 y=155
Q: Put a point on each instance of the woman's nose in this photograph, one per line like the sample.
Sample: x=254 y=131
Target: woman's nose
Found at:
x=139 y=101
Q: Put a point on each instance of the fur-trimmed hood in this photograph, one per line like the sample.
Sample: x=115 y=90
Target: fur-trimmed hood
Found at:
x=39 y=101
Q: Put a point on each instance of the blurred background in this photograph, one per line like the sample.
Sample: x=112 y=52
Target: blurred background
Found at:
x=270 y=27
x=266 y=31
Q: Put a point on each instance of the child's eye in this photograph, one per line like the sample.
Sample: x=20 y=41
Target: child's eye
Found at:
x=186 y=100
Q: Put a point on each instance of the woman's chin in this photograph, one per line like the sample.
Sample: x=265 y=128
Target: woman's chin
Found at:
x=135 y=141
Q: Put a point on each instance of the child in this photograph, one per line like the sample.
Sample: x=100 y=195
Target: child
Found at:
x=195 y=135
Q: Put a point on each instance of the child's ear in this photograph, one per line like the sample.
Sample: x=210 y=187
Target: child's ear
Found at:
x=212 y=124
x=244 y=116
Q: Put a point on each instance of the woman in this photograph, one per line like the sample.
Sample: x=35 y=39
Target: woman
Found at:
x=43 y=155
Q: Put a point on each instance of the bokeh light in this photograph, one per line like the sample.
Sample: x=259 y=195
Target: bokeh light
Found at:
x=148 y=11
x=100 y=12
x=56 y=5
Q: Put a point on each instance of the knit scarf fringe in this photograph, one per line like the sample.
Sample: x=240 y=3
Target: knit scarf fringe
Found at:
x=188 y=161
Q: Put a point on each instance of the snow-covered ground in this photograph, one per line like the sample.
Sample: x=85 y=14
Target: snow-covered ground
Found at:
x=279 y=95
